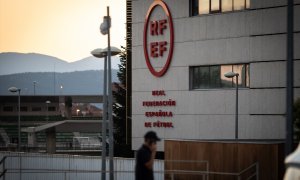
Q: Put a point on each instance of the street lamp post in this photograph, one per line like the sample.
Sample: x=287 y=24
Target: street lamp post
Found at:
x=100 y=54
x=14 y=90
x=232 y=75
x=34 y=83
x=103 y=53
x=47 y=105
x=105 y=29
x=61 y=89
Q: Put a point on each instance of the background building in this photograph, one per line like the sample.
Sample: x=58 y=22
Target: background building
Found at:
x=42 y=115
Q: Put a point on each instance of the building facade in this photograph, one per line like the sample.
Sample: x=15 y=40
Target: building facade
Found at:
x=180 y=52
x=30 y=106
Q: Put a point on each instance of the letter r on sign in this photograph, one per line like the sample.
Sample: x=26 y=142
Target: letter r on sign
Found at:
x=157 y=27
x=153 y=28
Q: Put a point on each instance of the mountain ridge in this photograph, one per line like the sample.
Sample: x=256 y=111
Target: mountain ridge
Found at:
x=13 y=63
x=54 y=83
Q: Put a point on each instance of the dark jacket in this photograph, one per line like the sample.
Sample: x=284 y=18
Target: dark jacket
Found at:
x=141 y=171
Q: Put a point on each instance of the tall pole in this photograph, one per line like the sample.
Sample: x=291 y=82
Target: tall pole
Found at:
x=290 y=78
x=104 y=121
x=111 y=138
x=47 y=106
x=19 y=120
x=236 y=107
x=34 y=82
x=47 y=112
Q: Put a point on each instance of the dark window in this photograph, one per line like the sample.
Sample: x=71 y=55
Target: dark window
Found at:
x=8 y=108
x=198 y=7
x=200 y=77
x=24 y=108
x=208 y=77
x=214 y=77
x=194 y=6
x=52 y=108
x=36 y=109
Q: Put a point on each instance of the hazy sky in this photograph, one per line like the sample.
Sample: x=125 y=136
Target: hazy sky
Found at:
x=67 y=29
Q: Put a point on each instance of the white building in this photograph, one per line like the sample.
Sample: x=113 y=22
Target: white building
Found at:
x=193 y=96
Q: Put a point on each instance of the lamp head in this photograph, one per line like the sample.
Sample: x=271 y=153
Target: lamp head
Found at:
x=13 y=89
x=99 y=53
x=231 y=74
x=105 y=25
x=113 y=50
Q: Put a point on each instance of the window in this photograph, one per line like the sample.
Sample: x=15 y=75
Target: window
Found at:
x=194 y=8
x=203 y=6
x=8 y=108
x=239 y=4
x=36 y=109
x=201 y=77
x=24 y=108
x=209 y=77
x=247 y=4
x=227 y=5
x=52 y=108
x=199 y=7
x=215 y=6
x=214 y=74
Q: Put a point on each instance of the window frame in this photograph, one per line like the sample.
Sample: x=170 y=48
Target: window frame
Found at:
x=245 y=86
x=215 y=11
x=23 y=108
x=194 y=7
x=51 y=109
x=36 y=109
x=8 y=109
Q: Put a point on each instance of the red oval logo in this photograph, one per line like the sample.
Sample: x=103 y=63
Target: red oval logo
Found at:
x=158 y=48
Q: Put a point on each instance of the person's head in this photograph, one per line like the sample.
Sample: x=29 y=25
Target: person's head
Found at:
x=151 y=138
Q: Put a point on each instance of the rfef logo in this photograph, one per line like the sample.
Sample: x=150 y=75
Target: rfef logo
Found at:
x=158 y=38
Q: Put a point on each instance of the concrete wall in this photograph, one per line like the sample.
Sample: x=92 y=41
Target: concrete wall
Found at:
x=255 y=36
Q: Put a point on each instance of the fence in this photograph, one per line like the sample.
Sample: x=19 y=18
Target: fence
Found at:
x=33 y=166
x=86 y=143
x=199 y=170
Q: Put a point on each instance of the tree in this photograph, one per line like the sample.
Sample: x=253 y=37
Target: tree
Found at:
x=122 y=148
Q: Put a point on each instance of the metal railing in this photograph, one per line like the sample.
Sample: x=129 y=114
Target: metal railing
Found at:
x=13 y=167
x=173 y=172
x=205 y=174
x=2 y=162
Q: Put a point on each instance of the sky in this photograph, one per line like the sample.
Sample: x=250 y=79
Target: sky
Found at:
x=66 y=29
